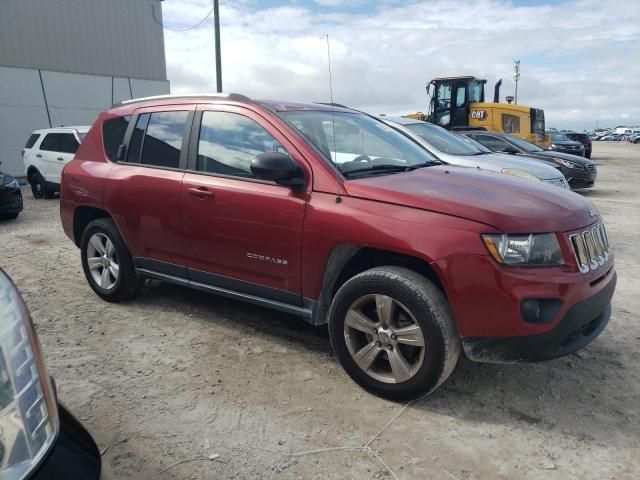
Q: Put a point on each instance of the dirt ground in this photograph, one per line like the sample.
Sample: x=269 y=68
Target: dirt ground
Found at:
x=231 y=389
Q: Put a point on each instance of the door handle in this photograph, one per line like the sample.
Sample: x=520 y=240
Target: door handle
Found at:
x=60 y=158
x=201 y=192
x=38 y=155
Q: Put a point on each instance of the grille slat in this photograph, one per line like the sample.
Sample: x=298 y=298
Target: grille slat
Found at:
x=591 y=248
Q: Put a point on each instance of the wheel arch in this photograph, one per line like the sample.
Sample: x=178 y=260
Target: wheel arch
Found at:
x=82 y=216
x=31 y=171
x=346 y=261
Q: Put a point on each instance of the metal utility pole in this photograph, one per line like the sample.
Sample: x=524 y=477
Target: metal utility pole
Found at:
x=516 y=77
x=216 y=24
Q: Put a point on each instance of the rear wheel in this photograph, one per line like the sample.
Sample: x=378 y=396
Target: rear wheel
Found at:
x=107 y=263
x=39 y=186
x=393 y=333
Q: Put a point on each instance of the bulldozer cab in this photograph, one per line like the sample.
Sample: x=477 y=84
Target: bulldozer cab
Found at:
x=450 y=100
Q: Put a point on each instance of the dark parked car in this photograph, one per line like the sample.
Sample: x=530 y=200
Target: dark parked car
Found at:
x=39 y=438
x=580 y=172
x=331 y=214
x=584 y=139
x=561 y=143
x=10 y=197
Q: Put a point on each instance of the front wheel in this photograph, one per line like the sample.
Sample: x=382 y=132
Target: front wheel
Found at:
x=107 y=263
x=393 y=333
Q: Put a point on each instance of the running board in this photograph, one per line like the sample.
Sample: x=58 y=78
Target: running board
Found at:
x=264 y=302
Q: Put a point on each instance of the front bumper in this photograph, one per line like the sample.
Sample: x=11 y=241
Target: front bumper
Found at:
x=74 y=455
x=582 y=324
x=580 y=178
x=10 y=200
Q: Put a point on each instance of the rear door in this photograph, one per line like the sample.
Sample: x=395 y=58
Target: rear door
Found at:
x=241 y=233
x=142 y=192
x=56 y=150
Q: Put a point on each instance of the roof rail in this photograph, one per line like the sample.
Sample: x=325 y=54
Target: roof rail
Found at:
x=230 y=96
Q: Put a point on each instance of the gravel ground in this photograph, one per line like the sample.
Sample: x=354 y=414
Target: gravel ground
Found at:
x=228 y=388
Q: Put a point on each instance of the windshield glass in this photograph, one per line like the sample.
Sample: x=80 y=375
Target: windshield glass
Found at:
x=446 y=142
x=352 y=141
x=560 y=137
x=523 y=144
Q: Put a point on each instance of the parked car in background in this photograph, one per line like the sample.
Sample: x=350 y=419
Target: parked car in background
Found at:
x=461 y=151
x=580 y=172
x=10 y=197
x=40 y=439
x=333 y=215
x=46 y=153
x=584 y=139
x=563 y=144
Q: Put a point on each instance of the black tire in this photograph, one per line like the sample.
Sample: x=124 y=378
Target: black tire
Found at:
x=39 y=187
x=127 y=284
x=429 y=308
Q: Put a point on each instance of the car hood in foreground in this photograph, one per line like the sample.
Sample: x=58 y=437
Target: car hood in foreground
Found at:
x=510 y=204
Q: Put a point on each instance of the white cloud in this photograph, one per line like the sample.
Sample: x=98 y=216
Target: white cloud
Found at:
x=579 y=58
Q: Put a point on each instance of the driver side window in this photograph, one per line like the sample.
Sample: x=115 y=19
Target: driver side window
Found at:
x=228 y=142
x=492 y=143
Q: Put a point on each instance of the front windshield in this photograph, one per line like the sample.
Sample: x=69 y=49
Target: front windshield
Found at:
x=559 y=137
x=446 y=142
x=523 y=144
x=353 y=141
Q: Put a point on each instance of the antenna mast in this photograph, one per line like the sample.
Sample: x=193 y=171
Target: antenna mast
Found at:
x=516 y=77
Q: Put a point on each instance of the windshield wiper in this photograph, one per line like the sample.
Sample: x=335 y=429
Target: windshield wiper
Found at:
x=389 y=168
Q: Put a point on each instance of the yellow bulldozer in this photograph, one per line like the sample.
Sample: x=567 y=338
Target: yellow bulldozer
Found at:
x=458 y=103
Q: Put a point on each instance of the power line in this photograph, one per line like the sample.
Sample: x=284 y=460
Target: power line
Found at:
x=155 y=19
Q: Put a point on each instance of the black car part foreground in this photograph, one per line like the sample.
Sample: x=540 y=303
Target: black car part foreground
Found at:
x=74 y=454
x=10 y=197
x=39 y=438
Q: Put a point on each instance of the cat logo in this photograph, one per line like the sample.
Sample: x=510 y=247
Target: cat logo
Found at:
x=479 y=114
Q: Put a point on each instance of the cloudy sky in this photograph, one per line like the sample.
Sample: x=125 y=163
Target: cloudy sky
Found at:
x=580 y=59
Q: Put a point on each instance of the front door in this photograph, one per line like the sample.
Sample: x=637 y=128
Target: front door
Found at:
x=240 y=233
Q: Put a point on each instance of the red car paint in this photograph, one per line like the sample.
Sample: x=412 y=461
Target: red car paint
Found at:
x=435 y=215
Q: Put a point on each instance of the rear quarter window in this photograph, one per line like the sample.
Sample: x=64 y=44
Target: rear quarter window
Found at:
x=113 y=131
x=31 y=141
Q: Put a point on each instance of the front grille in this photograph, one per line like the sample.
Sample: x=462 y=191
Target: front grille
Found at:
x=591 y=248
x=592 y=168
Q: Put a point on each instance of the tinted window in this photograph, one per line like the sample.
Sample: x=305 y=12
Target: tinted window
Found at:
x=135 y=145
x=510 y=123
x=59 y=142
x=163 y=139
x=32 y=140
x=113 y=131
x=492 y=143
x=559 y=137
x=229 y=141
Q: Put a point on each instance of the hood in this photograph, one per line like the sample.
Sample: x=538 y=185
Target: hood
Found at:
x=510 y=204
x=495 y=162
x=566 y=156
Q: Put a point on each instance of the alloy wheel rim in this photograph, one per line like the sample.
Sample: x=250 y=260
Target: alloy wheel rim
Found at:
x=102 y=261
x=384 y=339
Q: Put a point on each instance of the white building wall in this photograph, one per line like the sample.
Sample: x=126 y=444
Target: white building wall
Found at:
x=73 y=99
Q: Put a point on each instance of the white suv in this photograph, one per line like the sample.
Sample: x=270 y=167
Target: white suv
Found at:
x=44 y=155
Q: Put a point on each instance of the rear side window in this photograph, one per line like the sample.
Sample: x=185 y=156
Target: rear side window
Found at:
x=163 y=139
x=59 y=142
x=113 y=131
x=33 y=138
x=492 y=143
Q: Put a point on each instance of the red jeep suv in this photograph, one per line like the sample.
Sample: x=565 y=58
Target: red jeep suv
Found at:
x=330 y=214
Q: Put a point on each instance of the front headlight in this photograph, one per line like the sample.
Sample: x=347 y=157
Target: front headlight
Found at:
x=535 y=249
x=519 y=173
x=8 y=181
x=28 y=410
x=569 y=163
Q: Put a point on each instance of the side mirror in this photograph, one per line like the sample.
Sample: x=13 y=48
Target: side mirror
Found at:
x=510 y=149
x=277 y=167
